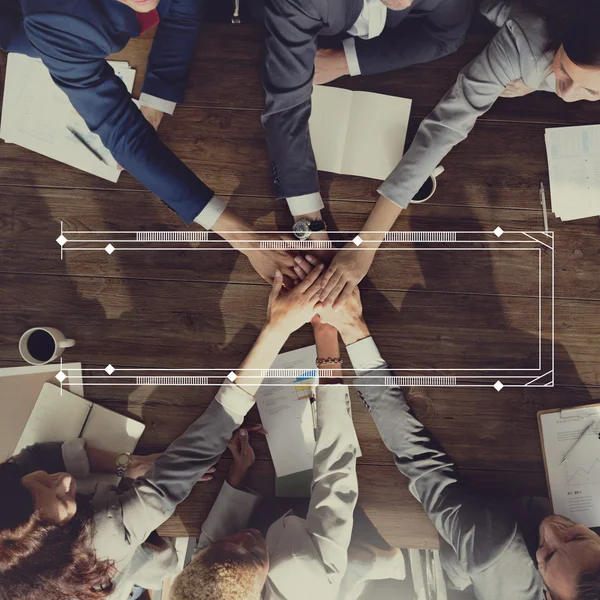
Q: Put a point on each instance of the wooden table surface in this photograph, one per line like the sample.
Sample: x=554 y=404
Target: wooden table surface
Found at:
x=204 y=309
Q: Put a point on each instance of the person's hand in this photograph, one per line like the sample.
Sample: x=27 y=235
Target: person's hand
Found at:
x=267 y=262
x=152 y=115
x=515 y=89
x=290 y=310
x=243 y=454
x=346 y=271
x=329 y=65
x=346 y=318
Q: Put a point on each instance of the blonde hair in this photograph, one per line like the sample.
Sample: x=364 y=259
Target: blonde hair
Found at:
x=215 y=574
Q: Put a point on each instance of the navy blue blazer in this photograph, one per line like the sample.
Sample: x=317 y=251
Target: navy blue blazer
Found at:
x=73 y=39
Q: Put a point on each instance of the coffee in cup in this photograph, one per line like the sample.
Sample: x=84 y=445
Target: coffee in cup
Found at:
x=41 y=345
x=428 y=188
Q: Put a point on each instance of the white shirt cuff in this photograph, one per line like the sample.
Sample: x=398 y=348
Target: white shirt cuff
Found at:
x=351 y=56
x=230 y=513
x=234 y=399
x=300 y=205
x=75 y=458
x=364 y=355
x=210 y=214
x=165 y=106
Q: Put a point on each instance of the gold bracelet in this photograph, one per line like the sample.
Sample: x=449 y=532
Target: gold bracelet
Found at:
x=329 y=361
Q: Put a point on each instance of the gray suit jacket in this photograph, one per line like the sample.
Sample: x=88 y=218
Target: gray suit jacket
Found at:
x=516 y=52
x=124 y=520
x=425 y=31
x=483 y=542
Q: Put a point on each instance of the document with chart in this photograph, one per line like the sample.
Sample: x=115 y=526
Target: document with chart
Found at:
x=571 y=446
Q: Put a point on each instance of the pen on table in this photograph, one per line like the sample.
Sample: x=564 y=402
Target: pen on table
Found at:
x=543 y=203
x=313 y=409
x=81 y=139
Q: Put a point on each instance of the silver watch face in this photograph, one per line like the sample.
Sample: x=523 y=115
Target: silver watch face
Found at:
x=123 y=460
x=302 y=229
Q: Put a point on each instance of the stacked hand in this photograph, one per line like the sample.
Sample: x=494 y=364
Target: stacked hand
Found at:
x=243 y=454
x=345 y=272
x=267 y=262
x=288 y=310
x=346 y=317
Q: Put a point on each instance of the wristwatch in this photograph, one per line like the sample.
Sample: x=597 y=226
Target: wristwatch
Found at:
x=304 y=228
x=123 y=461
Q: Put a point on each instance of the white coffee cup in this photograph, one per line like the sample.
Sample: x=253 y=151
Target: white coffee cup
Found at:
x=433 y=177
x=54 y=345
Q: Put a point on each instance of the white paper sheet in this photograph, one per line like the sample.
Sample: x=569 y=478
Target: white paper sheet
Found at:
x=19 y=391
x=286 y=414
x=57 y=417
x=574 y=168
x=54 y=418
x=37 y=115
x=575 y=482
x=358 y=133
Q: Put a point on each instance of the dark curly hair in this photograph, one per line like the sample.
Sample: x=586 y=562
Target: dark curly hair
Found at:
x=44 y=561
x=574 y=24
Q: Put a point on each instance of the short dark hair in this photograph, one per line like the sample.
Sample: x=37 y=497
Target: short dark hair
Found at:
x=41 y=560
x=588 y=586
x=574 y=24
x=581 y=39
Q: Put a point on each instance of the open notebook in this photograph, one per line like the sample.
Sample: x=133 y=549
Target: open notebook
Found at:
x=59 y=417
x=358 y=133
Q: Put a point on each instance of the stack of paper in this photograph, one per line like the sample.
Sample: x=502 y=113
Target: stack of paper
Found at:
x=37 y=115
x=358 y=133
x=574 y=165
x=286 y=413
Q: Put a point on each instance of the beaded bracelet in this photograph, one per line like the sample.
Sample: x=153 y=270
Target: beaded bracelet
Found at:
x=329 y=361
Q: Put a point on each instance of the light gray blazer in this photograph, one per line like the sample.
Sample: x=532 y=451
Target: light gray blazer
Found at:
x=516 y=52
x=308 y=557
x=124 y=520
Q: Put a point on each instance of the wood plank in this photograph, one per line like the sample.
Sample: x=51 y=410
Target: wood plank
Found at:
x=226 y=73
x=498 y=165
x=164 y=324
x=117 y=320
x=30 y=224
x=383 y=495
x=480 y=429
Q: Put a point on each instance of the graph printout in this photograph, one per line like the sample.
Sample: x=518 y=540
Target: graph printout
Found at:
x=572 y=449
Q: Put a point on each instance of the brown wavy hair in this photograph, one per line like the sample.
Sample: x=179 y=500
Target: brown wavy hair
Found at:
x=44 y=561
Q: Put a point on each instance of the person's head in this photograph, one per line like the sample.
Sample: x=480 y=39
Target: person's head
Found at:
x=397 y=4
x=233 y=568
x=574 y=38
x=576 y=63
x=45 y=540
x=141 y=6
x=569 y=559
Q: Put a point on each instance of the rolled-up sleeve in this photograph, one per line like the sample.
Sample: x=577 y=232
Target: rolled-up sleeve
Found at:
x=230 y=514
x=153 y=498
x=47 y=457
x=75 y=458
x=334 y=492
